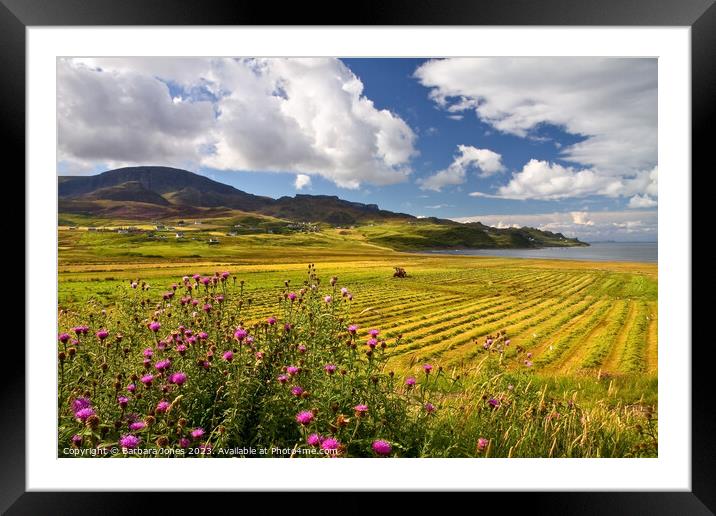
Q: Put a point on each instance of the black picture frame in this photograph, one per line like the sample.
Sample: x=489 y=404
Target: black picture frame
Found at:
x=699 y=15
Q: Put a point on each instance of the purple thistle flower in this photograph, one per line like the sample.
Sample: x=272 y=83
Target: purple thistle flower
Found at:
x=287 y=327
x=228 y=356
x=314 y=440
x=292 y=296
x=304 y=418
x=382 y=447
x=301 y=348
x=372 y=343
x=494 y=403
x=196 y=277
x=360 y=409
x=328 y=299
x=137 y=425
x=259 y=355
x=528 y=363
x=181 y=349
x=271 y=320
x=296 y=390
x=129 y=441
x=102 y=334
x=353 y=328
x=131 y=387
x=282 y=378
x=292 y=370
x=162 y=365
x=148 y=353
x=207 y=307
x=197 y=433
x=162 y=406
x=178 y=378
x=344 y=291
x=76 y=439
x=482 y=444
x=154 y=326
x=82 y=414
x=122 y=401
x=427 y=368
x=202 y=335
x=81 y=403
x=184 y=442
x=63 y=337
x=240 y=334
x=147 y=379
x=225 y=275
x=429 y=408
x=410 y=381
x=330 y=443
x=329 y=368
x=373 y=332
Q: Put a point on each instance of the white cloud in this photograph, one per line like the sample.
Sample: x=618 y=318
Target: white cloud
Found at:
x=307 y=116
x=642 y=201
x=611 y=102
x=550 y=181
x=302 y=180
x=589 y=226
x=487 y=162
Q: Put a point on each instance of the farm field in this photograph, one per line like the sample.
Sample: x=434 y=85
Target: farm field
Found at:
x=577 y=331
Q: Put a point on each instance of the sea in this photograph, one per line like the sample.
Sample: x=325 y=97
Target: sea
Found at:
x=597 y=251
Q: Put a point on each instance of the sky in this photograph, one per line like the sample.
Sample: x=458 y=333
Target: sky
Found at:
x=561 y=144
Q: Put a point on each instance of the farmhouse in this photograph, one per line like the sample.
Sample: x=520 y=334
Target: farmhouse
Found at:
x=213 y=241
x=179 y=234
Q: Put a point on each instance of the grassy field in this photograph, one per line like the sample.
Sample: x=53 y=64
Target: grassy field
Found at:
x=579 y=330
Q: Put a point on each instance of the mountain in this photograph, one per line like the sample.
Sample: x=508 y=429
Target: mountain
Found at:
x=153 y=193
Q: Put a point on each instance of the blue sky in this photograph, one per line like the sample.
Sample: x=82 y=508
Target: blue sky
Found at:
x=564 y=144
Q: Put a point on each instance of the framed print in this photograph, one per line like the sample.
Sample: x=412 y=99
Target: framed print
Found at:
x=425 y=250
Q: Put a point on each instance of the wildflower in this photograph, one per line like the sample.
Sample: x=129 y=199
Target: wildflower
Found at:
x=205 y=280
x=330 y=444
x=271 y=321
x=372 y=343
x=382 y=447
x=178 y=378
x=81 y=403
x=353 y=328
x=122 y=401
x=314 y=440
x=224 y=275
x=202 y=335
x=507 y=342
x=154 y=326
x=197 y=433
x=184 y=442
x=147 y=380
x=292 y=370
x=181 y=349
x=334 y=280
x=259 y=355
x=83 y=414
x=220 y=298
x=292 y=296
x=137 y=425
x=360 y=410
x=148 y=353
x=287 y=327
x=76 y=439
x=296 y=391
x=328 y=299
x=373 y=332
x=410 y=381
x=207 y=307
x=163 y=364
x=304 y=418
x=427 y=368
x=528 y=363
x=344 y=291
x=301 y=348
x=529 y=355
x=196 y=277
x=63 y=337
x=102 y=334
x=129 y=441
x=162 y=406
x=282 y=378
x=131 y=387
x=429 y=408
x=482 y=444
x=228 y=356
x=494 y=403
x=240 y=334
x=329 y=368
